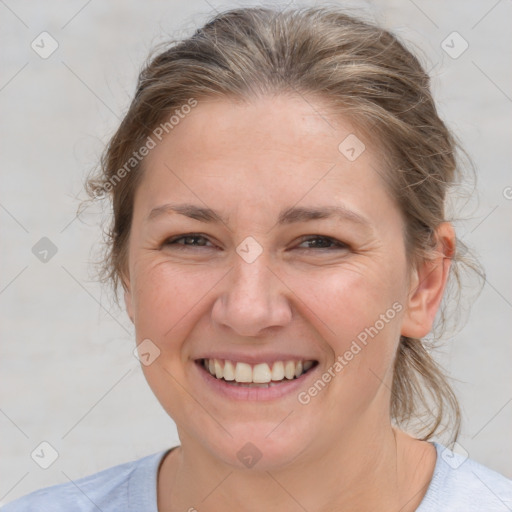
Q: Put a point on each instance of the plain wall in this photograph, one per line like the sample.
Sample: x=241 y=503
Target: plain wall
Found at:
x=69 y=376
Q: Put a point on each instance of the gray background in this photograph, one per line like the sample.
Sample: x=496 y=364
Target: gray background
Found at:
x=68 y=373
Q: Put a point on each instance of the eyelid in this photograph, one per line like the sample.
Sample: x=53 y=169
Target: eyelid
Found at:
x=336 y=244
x=171 y=239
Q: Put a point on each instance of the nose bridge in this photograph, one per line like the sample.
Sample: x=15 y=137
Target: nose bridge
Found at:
x=252 y=299
x=250 y=280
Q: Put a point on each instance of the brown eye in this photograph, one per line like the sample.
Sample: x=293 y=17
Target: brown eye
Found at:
x=188 y=240
x=323 y=242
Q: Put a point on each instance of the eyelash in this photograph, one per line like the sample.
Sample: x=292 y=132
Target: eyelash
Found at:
x=307 y=238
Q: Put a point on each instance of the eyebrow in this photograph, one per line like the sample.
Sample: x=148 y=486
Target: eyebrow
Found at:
x=290 y=215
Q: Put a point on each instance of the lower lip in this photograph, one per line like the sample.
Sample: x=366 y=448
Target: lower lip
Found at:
x=256 y=393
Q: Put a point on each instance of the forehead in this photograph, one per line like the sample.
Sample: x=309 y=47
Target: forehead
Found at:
x=272 y=151
x=304 y=127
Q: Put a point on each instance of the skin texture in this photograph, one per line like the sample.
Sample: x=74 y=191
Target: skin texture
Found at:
x=250 y=161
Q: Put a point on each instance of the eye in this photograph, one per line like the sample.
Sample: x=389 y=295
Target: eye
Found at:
x=324 y=241
x=189 y=240
x=197 y=240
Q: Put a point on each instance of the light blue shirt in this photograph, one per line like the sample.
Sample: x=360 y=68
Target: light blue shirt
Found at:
x=457 y=485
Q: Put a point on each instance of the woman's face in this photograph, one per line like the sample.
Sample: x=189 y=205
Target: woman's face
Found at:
x=269 y=283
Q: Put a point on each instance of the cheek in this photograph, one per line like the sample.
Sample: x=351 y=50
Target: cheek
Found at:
x=166 y=297
x=347 y=299
x=360 y=315
x=340 y=301
x=358 y=310
x=166 y=302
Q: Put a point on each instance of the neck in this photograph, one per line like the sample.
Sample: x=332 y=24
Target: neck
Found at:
x=371 y=469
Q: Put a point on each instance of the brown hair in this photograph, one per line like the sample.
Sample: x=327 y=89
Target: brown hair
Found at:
x=366 y=75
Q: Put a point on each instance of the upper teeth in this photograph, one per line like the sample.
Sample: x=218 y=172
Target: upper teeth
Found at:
x=258 y=373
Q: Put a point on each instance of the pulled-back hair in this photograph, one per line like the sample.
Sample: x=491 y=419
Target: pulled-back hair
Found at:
x=366 y=75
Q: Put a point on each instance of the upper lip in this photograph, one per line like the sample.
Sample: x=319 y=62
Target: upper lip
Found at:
x=255 y=358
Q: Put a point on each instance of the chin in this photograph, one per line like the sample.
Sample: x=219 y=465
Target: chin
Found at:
x=252 y=447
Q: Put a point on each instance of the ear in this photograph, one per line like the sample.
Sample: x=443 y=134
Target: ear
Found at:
x=427 y=285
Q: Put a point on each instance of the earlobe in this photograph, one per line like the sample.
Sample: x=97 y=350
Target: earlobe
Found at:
x=428 y=285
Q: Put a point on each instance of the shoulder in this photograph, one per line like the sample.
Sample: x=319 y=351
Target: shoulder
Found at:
x=116 y=488
x=462 y=484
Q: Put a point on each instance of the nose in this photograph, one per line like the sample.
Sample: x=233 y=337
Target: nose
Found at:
x=253 y=299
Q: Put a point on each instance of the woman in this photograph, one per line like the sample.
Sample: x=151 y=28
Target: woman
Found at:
x=278 y=188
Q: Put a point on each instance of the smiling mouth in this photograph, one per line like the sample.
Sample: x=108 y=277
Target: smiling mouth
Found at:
x=261 y=375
